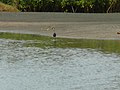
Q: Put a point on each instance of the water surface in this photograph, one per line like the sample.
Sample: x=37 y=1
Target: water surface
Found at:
x=35 y=68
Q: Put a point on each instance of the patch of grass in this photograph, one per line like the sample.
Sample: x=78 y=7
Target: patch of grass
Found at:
x=7 y=8
x=32 y=40
x=18 y=36
x=110 y=46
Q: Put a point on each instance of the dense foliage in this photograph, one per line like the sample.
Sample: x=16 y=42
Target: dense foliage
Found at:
x=97 y=6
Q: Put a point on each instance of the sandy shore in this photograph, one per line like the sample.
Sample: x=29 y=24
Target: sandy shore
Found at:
x=93 y=28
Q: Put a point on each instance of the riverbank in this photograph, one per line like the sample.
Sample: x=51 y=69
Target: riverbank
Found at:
x=68 y=25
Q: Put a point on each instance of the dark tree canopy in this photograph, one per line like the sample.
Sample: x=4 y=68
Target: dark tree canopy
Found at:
x=75 y=6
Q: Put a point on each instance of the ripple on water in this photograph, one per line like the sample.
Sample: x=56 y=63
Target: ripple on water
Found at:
x=31 y=68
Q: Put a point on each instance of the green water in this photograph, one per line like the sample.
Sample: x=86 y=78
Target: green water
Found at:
x=107 y=46
x=45 y=63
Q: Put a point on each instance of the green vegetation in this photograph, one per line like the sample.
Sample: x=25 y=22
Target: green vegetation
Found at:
x=107 y=46
x=7 y=8
x=93 y=6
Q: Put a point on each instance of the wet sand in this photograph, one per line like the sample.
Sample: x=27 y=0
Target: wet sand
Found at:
x=68 y=25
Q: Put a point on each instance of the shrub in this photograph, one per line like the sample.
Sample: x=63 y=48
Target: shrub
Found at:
x=7 y=8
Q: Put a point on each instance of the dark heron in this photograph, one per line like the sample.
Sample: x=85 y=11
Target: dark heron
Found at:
x=54 y=34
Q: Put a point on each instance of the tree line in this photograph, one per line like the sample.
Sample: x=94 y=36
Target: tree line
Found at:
x=75 y=6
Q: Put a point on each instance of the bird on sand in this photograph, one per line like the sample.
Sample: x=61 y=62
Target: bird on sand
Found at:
x=54 y=34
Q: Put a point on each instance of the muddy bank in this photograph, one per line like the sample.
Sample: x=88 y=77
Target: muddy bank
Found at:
x=90 y=26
